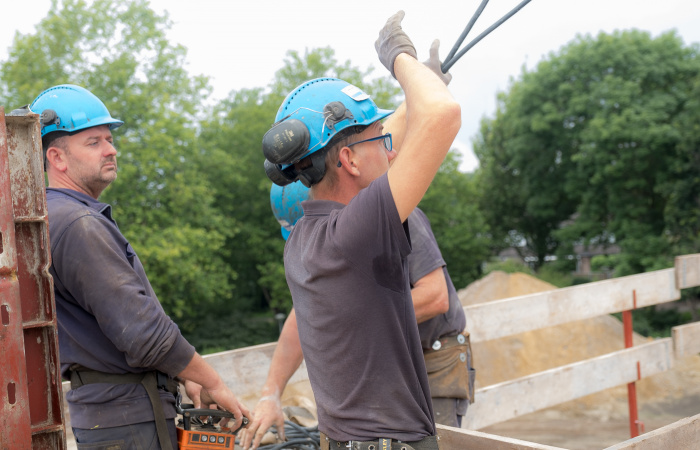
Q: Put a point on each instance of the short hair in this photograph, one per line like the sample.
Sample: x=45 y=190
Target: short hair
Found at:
x=55 y=139
x=337 y=142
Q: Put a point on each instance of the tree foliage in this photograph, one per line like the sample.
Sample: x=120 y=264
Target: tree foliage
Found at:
x=459 y=225
x=162 y=203
x=596 y=146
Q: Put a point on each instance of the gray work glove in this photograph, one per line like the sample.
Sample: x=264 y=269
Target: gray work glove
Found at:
x=433 y=63
x=392 y=41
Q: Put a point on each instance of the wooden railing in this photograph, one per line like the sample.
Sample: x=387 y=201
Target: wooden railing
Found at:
x=514 y=315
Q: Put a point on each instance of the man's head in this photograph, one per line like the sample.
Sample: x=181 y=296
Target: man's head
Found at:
x=76 y=138
x=313 y=124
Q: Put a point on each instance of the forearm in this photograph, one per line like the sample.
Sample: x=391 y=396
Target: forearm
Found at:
x=200 y=372
x=285 y=360
x=396 y=125
x=430 y=296
x=433 y=119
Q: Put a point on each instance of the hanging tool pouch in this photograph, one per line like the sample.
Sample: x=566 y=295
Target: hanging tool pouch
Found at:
x=450 y=370
x=152 y=381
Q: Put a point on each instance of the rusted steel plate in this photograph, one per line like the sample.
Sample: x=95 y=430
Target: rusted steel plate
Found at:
x=34 y=338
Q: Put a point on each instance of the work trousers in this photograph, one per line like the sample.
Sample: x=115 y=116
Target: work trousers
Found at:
x=137 y=436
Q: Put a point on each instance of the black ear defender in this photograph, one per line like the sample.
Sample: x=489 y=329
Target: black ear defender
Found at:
x=286 y=141
x=278 y=176
x=315 y=171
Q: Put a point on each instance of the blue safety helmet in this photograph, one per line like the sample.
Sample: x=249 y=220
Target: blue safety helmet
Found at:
x=286 y=205
x=307 y=120
x=68 y=107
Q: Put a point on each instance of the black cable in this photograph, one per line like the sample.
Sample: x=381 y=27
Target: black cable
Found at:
x=449 y=63
x=297 y=437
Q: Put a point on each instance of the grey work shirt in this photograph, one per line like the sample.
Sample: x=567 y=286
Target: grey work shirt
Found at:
x=109 y=318
x=424 y=259
x=347 y=271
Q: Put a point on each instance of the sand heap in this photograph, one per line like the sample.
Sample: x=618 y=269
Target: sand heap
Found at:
x=526 y=353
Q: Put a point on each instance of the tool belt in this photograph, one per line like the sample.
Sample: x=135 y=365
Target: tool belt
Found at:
x=152 y=381
x=427 y=443
x=450 y=367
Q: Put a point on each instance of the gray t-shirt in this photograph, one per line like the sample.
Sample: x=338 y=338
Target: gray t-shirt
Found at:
x=425 y=257
x=347 y=271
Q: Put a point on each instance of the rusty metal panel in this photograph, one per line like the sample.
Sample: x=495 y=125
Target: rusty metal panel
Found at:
x=30 y=336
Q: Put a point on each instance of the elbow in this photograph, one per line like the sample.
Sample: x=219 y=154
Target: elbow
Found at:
x=452 y=117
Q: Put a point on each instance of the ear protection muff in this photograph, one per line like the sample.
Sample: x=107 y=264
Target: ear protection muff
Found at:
x=286 y=141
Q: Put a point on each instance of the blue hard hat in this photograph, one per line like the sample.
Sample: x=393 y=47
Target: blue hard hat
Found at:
x=68 y=107
x=308 y=119
x=286 y=205
x=308 y=103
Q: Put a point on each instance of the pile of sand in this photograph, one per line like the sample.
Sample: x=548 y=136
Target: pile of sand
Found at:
x=526 y=353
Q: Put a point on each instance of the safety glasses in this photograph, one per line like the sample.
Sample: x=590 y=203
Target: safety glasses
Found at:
x=385 y=137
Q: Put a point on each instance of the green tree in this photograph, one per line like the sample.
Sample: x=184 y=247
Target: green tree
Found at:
x=119 y=51
x=457 y=222
x=587 y=148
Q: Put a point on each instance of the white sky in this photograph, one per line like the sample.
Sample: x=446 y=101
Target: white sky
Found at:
x=240 y=44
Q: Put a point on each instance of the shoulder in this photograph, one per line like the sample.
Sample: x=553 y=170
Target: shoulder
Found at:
x=67 y=213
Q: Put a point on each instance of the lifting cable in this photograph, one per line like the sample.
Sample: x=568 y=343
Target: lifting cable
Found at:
x=297 y=437
x=452 y=57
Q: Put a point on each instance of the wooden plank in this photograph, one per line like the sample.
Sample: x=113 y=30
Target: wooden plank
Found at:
x=455 y=438
x=681 y=435
x=492 y=320
x=244 y=370
x=503 y=401
x=686 y=339
x=687 y=271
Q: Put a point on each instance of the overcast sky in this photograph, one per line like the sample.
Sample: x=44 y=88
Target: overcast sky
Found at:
x=241 y=44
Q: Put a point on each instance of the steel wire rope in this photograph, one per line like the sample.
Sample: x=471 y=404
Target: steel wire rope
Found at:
x=449 y=63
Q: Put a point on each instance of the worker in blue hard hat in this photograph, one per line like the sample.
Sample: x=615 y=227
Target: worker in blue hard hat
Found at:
x=440 y=316
x=345 y=260
x=121 y=352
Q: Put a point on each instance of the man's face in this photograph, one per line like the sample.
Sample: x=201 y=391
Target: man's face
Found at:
x=375 y=157
x=91 y=159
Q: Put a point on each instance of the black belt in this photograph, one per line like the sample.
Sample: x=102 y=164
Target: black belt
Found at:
x=427 y=443
x=152 y=381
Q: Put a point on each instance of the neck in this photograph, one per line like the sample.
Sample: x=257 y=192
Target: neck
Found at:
x=63 y=182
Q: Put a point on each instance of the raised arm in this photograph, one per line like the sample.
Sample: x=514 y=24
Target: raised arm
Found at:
x=433 y=118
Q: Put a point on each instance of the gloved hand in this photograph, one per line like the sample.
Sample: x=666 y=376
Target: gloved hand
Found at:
x=392 y=41
x=433 y=63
